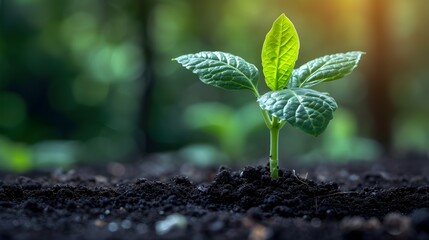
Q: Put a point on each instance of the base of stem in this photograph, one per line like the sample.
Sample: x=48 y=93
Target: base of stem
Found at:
x=274 y=168
x=274 y=148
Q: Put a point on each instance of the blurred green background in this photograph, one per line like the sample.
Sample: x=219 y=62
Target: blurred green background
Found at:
x=93 y=81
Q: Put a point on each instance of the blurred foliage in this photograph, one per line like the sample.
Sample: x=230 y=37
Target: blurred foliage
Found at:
x=231 y=128
x=66 y=72
x=73 y=75
x=341 y=142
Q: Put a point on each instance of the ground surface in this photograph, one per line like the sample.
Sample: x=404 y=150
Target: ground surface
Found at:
x=358 y=201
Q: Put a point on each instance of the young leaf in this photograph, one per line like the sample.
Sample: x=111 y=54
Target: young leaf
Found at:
x=323 y=69
x=304 y=108
x=279 y=53
x=221 y=69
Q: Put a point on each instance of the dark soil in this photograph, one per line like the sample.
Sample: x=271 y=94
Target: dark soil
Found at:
x=243 y=204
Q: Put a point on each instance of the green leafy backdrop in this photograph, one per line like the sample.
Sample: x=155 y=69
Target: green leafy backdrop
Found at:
x=93 y=81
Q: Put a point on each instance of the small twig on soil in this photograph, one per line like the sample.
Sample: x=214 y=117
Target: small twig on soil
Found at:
x=298 y=178
x=306 y=176
x=330 y=195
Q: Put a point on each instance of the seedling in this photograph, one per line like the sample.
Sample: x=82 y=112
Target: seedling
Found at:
x=291 y=99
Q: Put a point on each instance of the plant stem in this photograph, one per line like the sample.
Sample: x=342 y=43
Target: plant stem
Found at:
x=266 y=118
x=274 y=148
x=274 y=125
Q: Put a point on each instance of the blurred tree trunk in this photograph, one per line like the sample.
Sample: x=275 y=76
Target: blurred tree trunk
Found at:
x=379 y=75
x=203 y=29
x=145 y=142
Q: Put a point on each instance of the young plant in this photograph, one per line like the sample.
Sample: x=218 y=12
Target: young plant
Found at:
x=291 y=99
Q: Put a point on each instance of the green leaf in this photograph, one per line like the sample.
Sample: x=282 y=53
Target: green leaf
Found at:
x=323 y=69
x=304 y=108
x=279 y=53
x=222 y=70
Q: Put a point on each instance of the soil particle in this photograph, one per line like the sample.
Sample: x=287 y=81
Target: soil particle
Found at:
x=244 y=204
